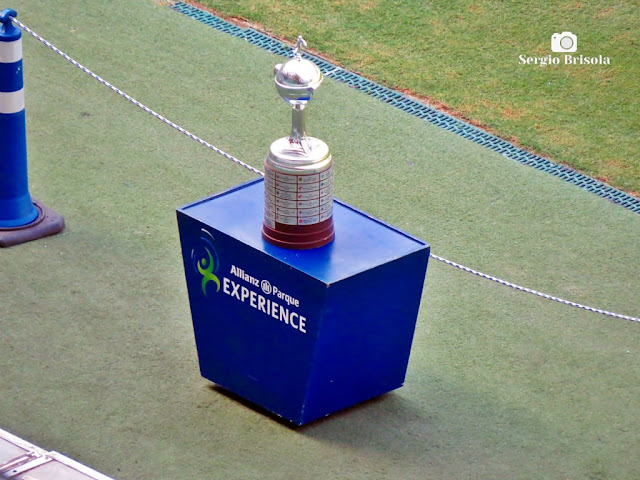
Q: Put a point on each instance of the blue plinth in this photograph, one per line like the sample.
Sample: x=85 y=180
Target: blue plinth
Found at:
x=302 y=333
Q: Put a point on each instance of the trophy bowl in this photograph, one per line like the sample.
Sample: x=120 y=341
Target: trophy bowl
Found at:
x=297 y=79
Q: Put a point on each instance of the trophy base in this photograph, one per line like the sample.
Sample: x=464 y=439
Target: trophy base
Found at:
x=300 y=237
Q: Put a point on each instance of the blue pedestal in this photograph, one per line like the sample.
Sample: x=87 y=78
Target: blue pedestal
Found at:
x=302 y=333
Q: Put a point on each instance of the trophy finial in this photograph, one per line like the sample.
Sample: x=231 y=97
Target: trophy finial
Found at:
x=301 y=42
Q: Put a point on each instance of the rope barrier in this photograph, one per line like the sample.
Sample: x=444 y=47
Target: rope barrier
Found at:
x=534 y=292
x=133 y=100
x=258 y=172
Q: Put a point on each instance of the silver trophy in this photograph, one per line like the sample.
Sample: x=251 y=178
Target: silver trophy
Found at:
x=298 y=210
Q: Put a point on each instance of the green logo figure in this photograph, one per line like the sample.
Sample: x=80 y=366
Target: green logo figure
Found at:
x=205 y=267
x=206 y=261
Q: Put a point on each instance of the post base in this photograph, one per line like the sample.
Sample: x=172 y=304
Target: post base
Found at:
x=47 y=223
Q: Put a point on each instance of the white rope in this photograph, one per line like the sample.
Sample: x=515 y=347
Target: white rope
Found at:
x=254 y=170
x=133 y=100
x=534 y=292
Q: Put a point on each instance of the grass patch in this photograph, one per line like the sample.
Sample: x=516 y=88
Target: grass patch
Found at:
x=466 y=56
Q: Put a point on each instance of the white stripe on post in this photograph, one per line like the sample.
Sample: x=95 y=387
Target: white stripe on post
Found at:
x=10 y=51
x=12 y=102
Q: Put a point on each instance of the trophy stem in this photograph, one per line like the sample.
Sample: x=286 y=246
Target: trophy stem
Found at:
x=298 y=129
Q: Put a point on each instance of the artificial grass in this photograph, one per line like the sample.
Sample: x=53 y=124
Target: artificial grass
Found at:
x=97 y=358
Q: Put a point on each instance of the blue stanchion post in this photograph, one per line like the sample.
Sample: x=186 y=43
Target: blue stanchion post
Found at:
x=21 y=218
x=16 y=207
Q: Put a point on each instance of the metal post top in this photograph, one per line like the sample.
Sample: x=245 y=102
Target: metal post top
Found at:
x=8 y=32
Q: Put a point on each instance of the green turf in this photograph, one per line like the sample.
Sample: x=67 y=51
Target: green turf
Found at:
x=97 y=357
x=466 y=54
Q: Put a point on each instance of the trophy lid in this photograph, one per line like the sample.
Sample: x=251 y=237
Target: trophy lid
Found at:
x=304 y=158
x=298 y=78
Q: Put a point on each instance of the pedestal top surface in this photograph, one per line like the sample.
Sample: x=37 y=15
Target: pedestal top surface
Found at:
x=362 y=242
